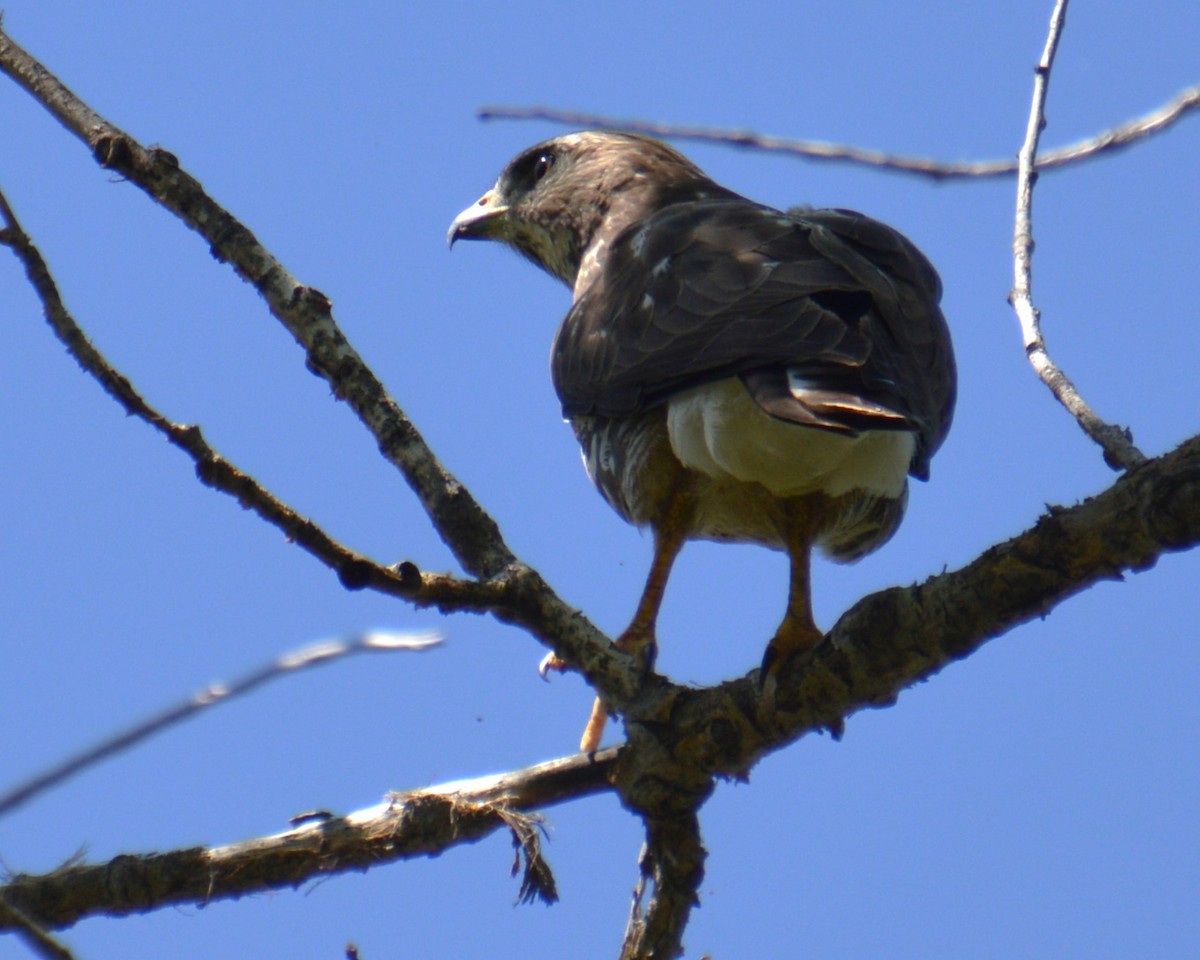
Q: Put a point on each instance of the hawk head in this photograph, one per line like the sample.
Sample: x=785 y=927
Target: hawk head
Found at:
x=573 y=195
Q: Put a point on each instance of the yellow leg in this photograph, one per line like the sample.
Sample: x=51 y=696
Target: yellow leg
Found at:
x=594 y=730
x=638 y=638
x=797 y=631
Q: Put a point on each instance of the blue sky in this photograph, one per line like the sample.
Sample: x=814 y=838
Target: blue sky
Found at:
x=1037 y=800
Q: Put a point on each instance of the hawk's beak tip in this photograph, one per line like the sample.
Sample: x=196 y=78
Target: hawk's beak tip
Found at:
x=459 y=228
x=478 y=221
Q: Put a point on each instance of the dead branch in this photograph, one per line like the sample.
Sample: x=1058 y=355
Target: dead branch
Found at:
x=680 y=738
x=902 y=635
x=672 y=868
x=355 y=571
x=419 y=823
x=518 y=593
x=1108 y=141
x=306 y=312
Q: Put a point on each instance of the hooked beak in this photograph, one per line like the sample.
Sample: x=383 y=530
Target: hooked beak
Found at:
x=482 y=220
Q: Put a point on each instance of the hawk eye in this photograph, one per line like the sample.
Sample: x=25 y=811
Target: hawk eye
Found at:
x=542 y=165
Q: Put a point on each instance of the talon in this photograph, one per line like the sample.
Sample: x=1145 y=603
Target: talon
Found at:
x=767 y=685
x=767 y=670
x=551 y=661
x=795 y=634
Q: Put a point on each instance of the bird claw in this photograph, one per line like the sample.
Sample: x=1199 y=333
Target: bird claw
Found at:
x=778 y=652
x=551 y=661
x=767 y=685
x=767 y=712
x=768 y=668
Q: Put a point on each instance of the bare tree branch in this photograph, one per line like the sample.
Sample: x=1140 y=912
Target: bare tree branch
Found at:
x=1117 y=444
x=902 y=635
x=419 y=823
x=446 y=593
x=307 y=313
x=1125 y=134
x=313 y=655
x=680 y=738
x=1108 y=141
x=473 y=536
x=672 y=868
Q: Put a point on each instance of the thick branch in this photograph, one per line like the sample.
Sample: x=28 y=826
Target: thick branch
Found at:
x=414 y=824
x=897 y=637
x=1108 y=141
x=672 y=868
x=681 y=737
x=1119 y=451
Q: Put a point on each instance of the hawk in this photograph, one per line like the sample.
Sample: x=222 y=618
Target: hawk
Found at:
x=732 y=372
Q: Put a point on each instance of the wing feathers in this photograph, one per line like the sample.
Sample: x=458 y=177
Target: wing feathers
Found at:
x=830 y=300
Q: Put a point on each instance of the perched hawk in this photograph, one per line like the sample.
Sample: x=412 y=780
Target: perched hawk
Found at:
x=732 y=372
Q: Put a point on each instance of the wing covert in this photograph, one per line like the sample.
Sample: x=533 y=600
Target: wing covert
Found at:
x=704 y=290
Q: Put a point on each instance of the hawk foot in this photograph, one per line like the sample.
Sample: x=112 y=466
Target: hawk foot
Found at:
x=640 y=644
x=793 y=637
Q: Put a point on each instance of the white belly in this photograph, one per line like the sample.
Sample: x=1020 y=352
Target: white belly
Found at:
x=718 y=430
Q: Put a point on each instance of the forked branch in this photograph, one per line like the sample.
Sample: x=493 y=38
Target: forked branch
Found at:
x=512 y=590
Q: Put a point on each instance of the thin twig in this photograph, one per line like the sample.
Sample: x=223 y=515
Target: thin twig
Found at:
x=355 y=570
x=306 y=312
x=1125 y=134
x=418 y=823
x=1117 y=444
x=313 y=655
x=37 y=939
x=1109 y=141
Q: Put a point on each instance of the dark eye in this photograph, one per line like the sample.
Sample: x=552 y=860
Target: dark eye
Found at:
x=542 y=165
